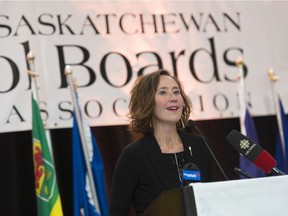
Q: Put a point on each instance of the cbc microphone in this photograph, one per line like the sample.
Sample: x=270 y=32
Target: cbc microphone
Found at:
x=253 y=152
x=190 y=174
x=192 y=124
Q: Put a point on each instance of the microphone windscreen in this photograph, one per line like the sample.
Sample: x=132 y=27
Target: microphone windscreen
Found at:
x=252 y=151
x=265 y=162
x=191 y=123
x=191 y=173
x=190 y=166
x=244 y=145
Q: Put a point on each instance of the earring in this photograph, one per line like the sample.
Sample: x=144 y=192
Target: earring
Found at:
x=182 y=123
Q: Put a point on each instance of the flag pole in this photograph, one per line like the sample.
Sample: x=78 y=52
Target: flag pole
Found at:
x=33 y=75
x=69 y=76
x=34 y=86
x=242 y=96
x=246 y=122
x=273 y=78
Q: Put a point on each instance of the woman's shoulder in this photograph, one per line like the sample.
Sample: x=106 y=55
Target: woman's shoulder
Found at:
x=135 y=145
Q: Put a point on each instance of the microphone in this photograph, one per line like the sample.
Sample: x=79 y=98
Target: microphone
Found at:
x=190 y=174
x=253 y=152
x=192 y=124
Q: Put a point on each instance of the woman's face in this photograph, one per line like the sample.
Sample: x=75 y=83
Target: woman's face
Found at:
x=168 y=101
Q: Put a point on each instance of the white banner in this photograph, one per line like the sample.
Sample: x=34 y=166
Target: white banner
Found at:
x=109 y=44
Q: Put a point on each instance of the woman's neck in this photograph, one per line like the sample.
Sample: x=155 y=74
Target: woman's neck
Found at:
x=169 y=141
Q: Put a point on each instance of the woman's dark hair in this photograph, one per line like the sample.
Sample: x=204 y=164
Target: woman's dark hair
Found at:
x=142 y=102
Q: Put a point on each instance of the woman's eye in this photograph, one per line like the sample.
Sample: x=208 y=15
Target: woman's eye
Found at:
x=162 y=92
x=177 y=92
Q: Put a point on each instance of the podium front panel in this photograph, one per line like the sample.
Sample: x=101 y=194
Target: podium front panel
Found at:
x=175 y=202
x=266 y=196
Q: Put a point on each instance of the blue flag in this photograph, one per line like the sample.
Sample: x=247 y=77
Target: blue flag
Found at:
x=244 y=164
x=82 y=196
x=279 y=150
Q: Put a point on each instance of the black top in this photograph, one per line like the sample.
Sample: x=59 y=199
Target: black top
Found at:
x=142 y=172
x=177 y=161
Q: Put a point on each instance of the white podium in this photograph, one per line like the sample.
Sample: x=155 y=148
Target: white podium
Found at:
x=246 y=197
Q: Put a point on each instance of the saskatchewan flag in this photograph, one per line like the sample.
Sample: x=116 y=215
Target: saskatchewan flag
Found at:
x=48 y=198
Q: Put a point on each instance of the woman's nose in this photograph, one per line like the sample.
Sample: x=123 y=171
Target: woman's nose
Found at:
x=173 y=99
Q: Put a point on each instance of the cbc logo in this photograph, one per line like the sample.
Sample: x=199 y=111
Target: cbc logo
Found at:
x=244 y=144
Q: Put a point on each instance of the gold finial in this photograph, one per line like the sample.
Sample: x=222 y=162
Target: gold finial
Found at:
x=239 y=61
x=272 y=76
x=30 y=57
x=68 y=70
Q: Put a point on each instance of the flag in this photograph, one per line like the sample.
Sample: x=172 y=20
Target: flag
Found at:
x=46 y=188
x=248 y=129
x=82 y=197
x=278 y=149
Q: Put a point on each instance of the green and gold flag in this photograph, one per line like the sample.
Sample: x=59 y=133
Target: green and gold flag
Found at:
x=48 y=198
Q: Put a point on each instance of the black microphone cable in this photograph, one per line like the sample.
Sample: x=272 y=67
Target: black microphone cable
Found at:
x=193 y=125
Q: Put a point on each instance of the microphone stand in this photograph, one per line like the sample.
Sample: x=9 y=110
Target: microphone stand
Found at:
x=240 y=172
x=277 y=171
x=192 y=124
